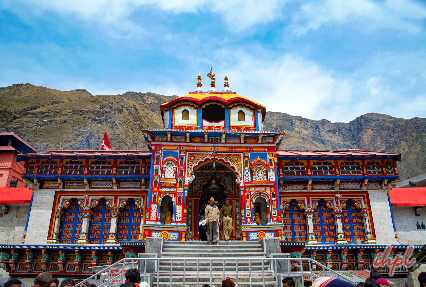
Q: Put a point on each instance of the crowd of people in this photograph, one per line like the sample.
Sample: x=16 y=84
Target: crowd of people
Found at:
x=375 y=280
x=44 y=279
x=133 y=279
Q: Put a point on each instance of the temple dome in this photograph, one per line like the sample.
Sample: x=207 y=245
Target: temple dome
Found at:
x=213 y=110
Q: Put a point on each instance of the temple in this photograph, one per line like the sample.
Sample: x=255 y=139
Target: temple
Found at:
x=95 y=207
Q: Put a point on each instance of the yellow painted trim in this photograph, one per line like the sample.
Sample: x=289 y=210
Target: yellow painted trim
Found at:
x=213 y=102
x=170 y=147
x=258 y=149
x=224 y=96
x=205 y=148
x=223 y=149
x=188 y=148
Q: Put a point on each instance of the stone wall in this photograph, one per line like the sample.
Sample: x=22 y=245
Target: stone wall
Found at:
x=12 y=225
x=413 y=277
x=406 y=225
x=41 y=211
x=382 y=218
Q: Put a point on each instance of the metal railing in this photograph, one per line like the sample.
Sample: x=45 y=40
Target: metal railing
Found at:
x=199 y=271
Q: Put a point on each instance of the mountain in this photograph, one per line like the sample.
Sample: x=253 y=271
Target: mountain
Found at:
x=50 y=119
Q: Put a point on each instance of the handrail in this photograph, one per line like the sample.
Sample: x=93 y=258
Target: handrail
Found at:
x=266 y=268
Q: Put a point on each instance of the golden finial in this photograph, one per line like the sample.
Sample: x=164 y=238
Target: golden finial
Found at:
x=226 y=85
x=199 y=80
x=211 y=76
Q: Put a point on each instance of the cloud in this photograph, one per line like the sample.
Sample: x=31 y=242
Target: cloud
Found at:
x=392 y=84
x=366 y=15
x=116 y=16
x=283 y=83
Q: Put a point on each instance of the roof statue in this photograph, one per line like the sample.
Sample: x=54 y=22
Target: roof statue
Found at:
x=211 y=75
x=199 y=83
x=226 y=85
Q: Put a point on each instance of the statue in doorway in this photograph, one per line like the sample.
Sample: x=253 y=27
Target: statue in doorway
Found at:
x=168 y=220
x=257 y=218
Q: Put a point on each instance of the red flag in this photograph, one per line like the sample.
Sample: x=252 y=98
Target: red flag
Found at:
x=105 y=143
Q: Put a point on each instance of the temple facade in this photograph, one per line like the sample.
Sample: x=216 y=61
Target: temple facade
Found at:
x=95 y=207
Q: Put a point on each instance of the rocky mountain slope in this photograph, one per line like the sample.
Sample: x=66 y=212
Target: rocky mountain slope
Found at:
x=50 y=119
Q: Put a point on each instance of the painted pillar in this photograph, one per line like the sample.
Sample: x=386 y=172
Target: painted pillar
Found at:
x=140 y=205
x=340 y=235
x=367 y=229
x=200 y=118
x=84 y=233
x=57 y=226
x=309 y=214
x=169 y=125
x=227 y=116
x=112 y=236
x=256 y=117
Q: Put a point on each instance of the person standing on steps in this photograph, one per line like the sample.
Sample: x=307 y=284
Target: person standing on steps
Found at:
x=212 y=215
x=226 y=216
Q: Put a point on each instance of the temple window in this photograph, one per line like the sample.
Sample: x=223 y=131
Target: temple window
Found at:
x=74 y=166
x=100 y=166
x=129 y=223
x=169 y=169
x=129 y=167
x=241 y=116
x=294 y=168
x=214 y=113
x=148 y=167
x=353 y=225
x=71 y=224
x=259 y=173
x=31 y=167
x=389 y=168
x=322 y=168
x=48 y=167
x=374 y=168
x=100 y=224
x=324 y=225
x=294 y=224
x=185 y=115
x=350 y=167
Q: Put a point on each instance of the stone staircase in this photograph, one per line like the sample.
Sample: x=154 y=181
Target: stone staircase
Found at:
x=228 y=252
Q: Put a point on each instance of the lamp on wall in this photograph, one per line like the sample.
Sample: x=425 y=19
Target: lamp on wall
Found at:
x=13 y=183
x=5 y=208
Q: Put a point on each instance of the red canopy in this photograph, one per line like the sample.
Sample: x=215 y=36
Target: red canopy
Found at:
x=415 y=196
x=15 y=195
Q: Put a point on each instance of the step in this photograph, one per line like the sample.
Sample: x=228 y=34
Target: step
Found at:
x=218 y=268
x=200 y=284
x=214 y=248
x=215 y=277
x=215 y=263
x=220 y=242
x=213 y=254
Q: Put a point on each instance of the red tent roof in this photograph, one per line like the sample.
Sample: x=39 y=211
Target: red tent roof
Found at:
x=15 y=195
x=415 y=196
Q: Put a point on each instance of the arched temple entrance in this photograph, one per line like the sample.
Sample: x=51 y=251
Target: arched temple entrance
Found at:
x=220 y=184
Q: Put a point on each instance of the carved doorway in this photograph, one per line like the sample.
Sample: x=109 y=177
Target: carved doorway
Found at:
x=199 y=195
